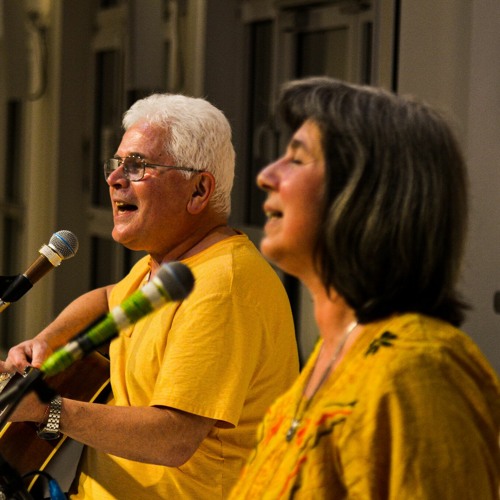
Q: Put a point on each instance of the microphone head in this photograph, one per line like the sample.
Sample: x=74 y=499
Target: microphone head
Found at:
x=64 y=243
x=177 y=279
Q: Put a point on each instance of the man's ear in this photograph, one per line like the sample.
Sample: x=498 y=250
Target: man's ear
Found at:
x=203 y=187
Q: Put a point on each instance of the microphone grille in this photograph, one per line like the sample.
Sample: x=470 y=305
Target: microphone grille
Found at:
x=64 y=243
x=177 y=279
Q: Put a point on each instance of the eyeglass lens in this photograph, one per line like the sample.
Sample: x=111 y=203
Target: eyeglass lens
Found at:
x=133 y=168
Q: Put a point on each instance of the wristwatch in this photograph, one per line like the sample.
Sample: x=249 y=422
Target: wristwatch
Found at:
x=51 y=428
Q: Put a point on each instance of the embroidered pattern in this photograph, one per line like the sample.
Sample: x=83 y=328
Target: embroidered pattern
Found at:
x=385 y=340
x=329 y=419
x=307 y=438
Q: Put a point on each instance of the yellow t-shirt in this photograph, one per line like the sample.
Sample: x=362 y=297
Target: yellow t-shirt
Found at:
x=225 y=352
x=411 y=412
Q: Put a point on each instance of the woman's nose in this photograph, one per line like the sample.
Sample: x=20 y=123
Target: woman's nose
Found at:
x=268 y=178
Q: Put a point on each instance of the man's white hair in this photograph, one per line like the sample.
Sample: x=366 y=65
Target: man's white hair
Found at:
x=197 y=135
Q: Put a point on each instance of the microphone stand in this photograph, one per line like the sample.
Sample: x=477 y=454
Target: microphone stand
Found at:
x=11 y=483
x=5 y=282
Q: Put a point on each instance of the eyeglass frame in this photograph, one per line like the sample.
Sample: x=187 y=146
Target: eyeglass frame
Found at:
x=144 y=163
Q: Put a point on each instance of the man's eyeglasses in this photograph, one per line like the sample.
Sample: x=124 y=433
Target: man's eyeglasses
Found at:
x=135 y=166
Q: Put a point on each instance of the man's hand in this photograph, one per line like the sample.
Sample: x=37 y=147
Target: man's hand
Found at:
x=76 y=316
x=30 y=352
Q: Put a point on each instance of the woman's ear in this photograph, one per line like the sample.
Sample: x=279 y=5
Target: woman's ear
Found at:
x=203 y=187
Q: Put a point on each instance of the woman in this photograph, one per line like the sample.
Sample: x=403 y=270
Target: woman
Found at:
x=367 y=207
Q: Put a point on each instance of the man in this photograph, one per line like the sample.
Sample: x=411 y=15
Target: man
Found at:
x=191 y=381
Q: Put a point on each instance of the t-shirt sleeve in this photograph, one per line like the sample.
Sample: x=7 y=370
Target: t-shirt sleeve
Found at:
x=212 y=352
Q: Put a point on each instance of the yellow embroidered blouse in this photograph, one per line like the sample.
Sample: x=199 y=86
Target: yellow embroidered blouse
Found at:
x=412 y=411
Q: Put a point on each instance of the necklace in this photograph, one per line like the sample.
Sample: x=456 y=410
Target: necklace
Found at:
x=303 y=403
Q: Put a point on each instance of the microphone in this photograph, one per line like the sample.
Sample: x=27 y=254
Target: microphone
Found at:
x=62 y=245
x=172 y=282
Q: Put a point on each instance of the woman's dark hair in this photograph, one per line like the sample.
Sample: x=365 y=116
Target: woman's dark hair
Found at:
x=395 y=208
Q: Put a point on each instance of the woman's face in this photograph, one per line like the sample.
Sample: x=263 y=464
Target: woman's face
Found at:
x=295 y=186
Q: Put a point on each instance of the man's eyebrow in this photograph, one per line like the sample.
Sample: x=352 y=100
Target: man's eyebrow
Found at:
x=133 y=153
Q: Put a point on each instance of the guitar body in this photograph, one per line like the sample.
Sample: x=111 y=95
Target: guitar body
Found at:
x=85 y=380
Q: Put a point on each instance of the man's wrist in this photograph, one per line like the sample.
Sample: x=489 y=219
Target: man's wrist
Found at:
x=49 y=428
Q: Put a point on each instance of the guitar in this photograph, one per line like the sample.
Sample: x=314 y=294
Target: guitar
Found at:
x=85 y=380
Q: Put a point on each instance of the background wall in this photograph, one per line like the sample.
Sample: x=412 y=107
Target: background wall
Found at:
x=445 y=52
x=449 y=56
x=482 y=273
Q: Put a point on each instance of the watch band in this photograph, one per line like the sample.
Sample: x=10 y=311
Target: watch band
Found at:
x=51 y=428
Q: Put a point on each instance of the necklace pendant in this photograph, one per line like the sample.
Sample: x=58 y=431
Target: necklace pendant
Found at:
x=291 y=431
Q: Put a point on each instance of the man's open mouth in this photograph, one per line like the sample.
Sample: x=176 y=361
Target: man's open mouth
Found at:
x=125 y=207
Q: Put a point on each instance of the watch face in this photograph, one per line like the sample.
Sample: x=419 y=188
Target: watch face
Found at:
x=48 y=434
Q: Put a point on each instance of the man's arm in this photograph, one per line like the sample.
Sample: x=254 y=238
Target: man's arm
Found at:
x=156 y=435
x=75 y=317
